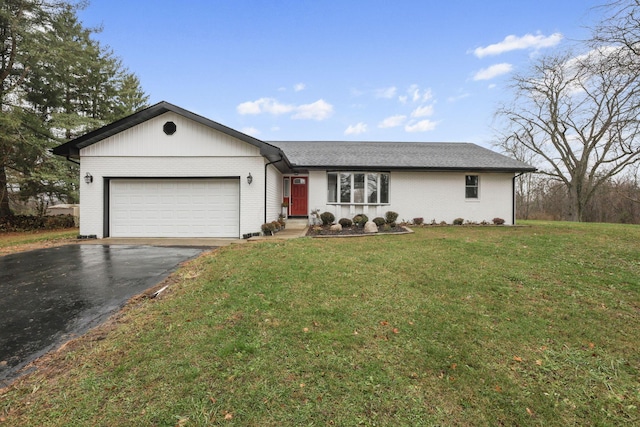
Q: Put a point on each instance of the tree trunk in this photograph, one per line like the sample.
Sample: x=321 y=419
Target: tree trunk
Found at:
x=574 y=204
x=5 y=210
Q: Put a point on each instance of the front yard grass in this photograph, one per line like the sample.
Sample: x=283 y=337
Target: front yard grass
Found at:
x=19 y=241
x=534 y=325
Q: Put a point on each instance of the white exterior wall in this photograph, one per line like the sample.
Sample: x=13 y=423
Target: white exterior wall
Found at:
x=274 y=193
x=436 y=196
x=193 y=151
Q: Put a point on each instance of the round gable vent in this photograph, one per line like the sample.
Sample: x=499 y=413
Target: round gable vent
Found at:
x=169 y=128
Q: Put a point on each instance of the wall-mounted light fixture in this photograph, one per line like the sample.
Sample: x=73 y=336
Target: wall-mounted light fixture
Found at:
x=88 y=178
x=249 y=179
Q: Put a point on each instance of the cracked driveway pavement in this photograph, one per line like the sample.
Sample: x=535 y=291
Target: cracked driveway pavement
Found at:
x=48 y=296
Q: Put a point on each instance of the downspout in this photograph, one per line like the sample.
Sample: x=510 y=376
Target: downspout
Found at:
x=513 y=198
x=265 y=184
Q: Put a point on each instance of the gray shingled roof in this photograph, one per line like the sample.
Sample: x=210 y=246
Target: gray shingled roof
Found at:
x=396 y=155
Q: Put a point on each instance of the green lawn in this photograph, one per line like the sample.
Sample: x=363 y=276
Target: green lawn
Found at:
x=14 y=240
x=533 y=325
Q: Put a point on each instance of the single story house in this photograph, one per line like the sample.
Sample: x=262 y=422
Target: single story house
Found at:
x=167 y=172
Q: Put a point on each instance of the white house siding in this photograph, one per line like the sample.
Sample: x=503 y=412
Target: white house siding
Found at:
x=193 y=151
x=436 y=196
x=190 y=140
x=274 y=193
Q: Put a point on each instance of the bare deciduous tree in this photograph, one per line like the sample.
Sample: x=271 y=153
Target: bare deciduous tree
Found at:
x=621 y=27
x=579 y=116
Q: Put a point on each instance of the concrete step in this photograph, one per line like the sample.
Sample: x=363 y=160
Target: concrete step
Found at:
x=297 y=223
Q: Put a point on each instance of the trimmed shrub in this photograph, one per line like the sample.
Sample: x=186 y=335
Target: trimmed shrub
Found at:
x=379 y=221
x=327 y=218
x=390 y=217
x=360 y=220
x=345 y=222
x=458 y=221
x=418 y=221
x=498 y=221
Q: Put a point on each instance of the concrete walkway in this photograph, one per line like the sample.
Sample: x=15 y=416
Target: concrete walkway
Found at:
x=295 y=228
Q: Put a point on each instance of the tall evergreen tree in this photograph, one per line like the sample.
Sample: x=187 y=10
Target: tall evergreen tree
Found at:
x=57 y=83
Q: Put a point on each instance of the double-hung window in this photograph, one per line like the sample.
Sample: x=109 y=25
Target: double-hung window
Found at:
x=367 y=188
x=471 y=183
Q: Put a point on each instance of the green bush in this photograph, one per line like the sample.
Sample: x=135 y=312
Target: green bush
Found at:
x=360 y=220
x=327 y=218
x=390 y=217
x=418 y=221
x=379 y=221
x=345 y=222
x=458 y=221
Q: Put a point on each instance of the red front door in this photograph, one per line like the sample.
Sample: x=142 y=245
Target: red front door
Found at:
x=298 y=197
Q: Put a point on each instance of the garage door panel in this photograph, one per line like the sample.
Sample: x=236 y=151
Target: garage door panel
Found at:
x=174 y=208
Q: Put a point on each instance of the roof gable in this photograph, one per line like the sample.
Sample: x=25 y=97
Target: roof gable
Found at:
x=72 y=148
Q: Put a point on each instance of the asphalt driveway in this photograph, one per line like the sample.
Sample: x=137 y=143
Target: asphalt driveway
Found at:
x=48 y=296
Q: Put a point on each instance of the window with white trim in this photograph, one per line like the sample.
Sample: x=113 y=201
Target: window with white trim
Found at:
x=366 y=188
x=471 y=184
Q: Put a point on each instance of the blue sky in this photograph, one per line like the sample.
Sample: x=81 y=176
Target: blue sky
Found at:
x=429 y=70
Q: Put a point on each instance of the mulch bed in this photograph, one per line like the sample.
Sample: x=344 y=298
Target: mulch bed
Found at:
x=323 y=230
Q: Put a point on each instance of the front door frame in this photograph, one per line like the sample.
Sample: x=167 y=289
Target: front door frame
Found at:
x=297 y=207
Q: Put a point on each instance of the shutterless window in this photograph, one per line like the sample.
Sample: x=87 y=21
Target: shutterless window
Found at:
x=345 y=187
x=471 y=186
x=357 y=187
x=332 y=188
x=287 y=187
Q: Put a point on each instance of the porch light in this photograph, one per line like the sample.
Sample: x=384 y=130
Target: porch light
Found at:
x=249 y=179
x=88 y=178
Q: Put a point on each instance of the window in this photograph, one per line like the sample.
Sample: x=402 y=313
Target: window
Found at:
x=345 y=188
x=471 y=186
x=332 y=188
x=358 y=188
x=287 y=188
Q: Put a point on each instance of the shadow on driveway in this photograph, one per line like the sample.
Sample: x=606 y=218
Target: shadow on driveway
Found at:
x=49 y=296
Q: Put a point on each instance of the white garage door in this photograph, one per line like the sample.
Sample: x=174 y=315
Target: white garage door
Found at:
x=174 y=208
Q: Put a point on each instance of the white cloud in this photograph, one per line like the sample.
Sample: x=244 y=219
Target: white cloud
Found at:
x=424 y=111
x=356 y=129
x=393 y=121
x=493 y=71
x=421 y=126
x=250 y=131
x=264 y=105
x=403 y=99
x=511 y=42
x=299 y=86
x=318 y=110
x=388 y=92
x=417 y=95
x=461 y=95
